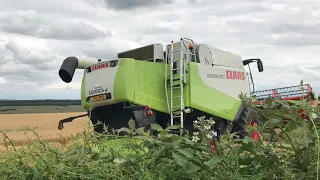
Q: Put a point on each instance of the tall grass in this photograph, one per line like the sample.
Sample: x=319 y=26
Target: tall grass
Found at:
x=286 y=151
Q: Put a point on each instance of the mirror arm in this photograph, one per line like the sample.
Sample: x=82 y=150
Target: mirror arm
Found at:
x=253 y=89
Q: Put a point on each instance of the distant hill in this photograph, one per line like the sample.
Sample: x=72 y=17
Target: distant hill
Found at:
x=43 y=102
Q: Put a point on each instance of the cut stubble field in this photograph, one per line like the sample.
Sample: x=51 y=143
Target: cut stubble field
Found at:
x=46 y=127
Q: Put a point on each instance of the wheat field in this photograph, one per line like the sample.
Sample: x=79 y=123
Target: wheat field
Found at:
x=46 y=126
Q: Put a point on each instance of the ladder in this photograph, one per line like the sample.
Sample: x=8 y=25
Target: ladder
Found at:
x=175 y=56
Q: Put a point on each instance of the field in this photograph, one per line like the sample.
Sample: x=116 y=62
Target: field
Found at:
x=290 y=153
x=39 y=109
x=45 y=123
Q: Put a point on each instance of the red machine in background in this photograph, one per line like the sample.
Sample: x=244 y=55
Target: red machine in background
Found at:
x=289 y=94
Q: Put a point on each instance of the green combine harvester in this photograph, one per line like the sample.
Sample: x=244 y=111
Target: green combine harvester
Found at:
x=153 y=85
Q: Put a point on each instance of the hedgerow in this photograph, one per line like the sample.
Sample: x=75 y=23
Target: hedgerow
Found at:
x=285 y=151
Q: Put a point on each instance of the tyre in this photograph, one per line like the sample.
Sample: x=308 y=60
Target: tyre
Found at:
x=248 y=117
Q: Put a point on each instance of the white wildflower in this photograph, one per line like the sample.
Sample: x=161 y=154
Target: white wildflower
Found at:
x=209 y=136
x=207 y=127
x=195 y=122
x=195 y=138
x=314 y=115
x=196 y=126
x=212 y=122
x=214 y=133
x=195 y=133
x=187 y=111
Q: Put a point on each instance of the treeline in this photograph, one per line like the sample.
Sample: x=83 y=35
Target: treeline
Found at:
x=39 y=102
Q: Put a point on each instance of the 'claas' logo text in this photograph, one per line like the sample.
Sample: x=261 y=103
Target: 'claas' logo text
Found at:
x=100 y=66
x=235 y=75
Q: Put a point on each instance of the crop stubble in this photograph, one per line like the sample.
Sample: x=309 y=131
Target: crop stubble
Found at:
x=46 y=123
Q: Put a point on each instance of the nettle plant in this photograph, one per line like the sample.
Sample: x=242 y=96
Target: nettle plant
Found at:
x=204 y=128
x=286 y=150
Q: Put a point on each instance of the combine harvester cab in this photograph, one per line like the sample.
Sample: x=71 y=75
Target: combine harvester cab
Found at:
x=151 y=85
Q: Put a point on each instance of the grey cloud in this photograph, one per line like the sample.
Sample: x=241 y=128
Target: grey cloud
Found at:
x=107 y=48
x=29 y=22
x=132 y=4
x=298 y=40
x=29 y=56
x=70 y=31
x=278 y=32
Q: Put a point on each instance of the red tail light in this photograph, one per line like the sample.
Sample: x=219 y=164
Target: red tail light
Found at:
x=148 y=111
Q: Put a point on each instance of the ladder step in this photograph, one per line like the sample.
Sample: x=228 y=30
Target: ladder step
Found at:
x=175 y=107
x=176 y=51
x=176 y=97
x=176 y=113
x=175 y=69
x=176 y=78
x=175 y=60
x=176 y=87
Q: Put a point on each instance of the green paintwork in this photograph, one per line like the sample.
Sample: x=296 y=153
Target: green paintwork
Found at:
x=142 y=83
x=86 y=105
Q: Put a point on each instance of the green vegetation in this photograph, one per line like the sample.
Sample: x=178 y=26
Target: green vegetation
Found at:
x=286 y=151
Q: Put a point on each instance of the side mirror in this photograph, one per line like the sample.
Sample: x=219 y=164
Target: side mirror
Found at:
x=260 y=65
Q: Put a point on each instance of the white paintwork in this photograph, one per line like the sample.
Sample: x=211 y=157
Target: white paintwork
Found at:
x=82 y=63
x=103 y=78
x=227 y=58
x=158 y=52
x=217 y=78
x=205 y=55
x=217 y=56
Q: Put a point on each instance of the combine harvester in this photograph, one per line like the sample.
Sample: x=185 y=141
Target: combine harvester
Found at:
x=151 y=85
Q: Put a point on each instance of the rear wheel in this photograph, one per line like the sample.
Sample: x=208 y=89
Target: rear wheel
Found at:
x=248 y=117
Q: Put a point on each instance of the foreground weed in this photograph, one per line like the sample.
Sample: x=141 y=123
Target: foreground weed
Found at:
x=286 y=151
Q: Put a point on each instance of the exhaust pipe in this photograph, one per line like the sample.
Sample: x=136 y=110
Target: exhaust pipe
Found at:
x=69 y=66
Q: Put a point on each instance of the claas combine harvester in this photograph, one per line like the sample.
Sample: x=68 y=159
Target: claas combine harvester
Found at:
x=153 y=85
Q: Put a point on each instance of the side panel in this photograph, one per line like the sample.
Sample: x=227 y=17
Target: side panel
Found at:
x=230 y=81
x=142 y=83
x=215 y=90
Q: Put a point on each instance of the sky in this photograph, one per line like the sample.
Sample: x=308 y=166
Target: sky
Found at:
x=37 y=35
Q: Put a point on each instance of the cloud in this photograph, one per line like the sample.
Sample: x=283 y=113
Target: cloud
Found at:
x=29 y=22
x=37 y=37
x=132 y=4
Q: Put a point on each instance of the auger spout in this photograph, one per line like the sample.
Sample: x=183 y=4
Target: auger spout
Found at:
x=69 y=66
